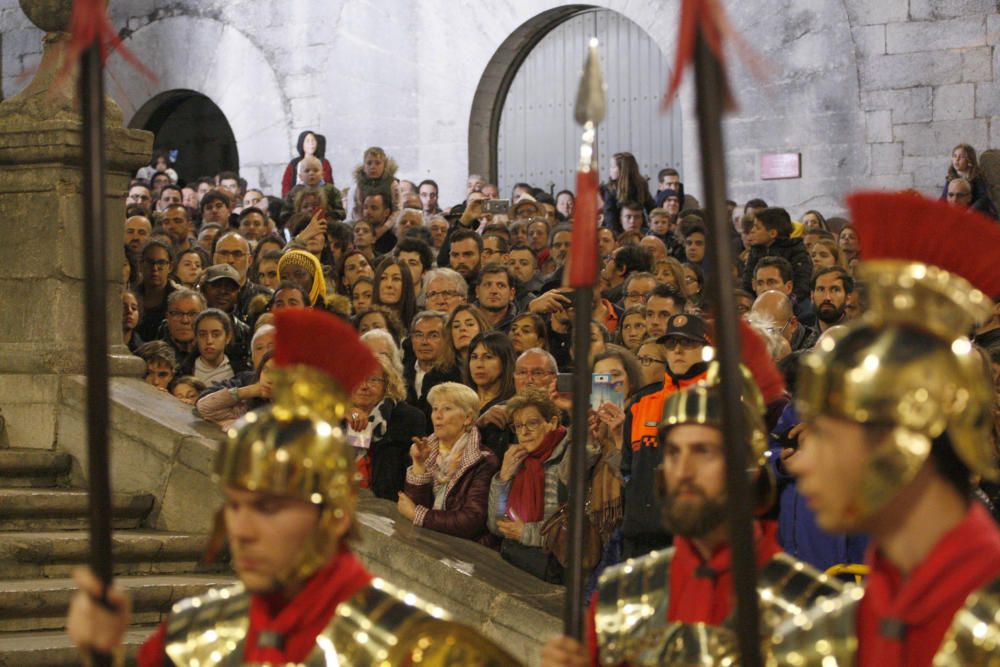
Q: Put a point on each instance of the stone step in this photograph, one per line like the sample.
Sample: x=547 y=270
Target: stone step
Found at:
x=33 y=467
x=65 y=509
x=41 y=604
x=54 y=649
x=56 y=553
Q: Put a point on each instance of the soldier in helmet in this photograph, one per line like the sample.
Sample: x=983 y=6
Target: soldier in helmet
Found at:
x=670 y=607
x=898 y=415
x=303 y=597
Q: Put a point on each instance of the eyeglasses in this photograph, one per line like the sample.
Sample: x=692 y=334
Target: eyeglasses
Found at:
x=235 y=254
x=535 y=373
x=184 y=314
x=444 y=294
x=373 y=381
x=637 y=295
x=683 y=343
x=157 y=263
x=526 y=427
x=649 y=361
x=430 y=335
x=775 y=329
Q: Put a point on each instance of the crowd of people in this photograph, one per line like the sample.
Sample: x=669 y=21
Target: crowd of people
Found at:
x=464 y=424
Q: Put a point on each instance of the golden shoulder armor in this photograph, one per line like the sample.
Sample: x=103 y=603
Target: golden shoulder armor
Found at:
x=822 y=635
x=378 y=626
x=973 y=640
x=632 y=601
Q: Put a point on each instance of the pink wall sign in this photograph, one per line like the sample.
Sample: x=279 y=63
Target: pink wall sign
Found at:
x=780 y=165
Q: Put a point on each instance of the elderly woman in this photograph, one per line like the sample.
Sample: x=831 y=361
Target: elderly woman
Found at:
x=379 y=427
x=448 y=484
x=526 y=490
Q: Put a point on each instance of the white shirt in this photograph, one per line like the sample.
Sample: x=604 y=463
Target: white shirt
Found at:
x=210 y=375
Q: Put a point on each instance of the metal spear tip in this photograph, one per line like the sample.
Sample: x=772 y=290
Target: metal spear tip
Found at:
x=591 y=102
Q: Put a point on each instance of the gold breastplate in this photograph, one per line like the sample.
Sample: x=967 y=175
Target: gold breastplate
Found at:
x=379 y=625
x=973 y=640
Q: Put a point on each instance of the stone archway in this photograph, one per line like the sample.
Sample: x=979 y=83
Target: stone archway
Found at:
x=228 y=69
x=193 y=130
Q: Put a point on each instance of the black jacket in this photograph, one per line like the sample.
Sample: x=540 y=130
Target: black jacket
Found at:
x=390 y=450
x=434 y=377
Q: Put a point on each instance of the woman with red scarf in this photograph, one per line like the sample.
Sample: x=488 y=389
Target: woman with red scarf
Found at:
x=525 y=492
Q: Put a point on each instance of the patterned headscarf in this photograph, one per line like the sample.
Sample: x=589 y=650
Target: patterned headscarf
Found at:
x=307 y=261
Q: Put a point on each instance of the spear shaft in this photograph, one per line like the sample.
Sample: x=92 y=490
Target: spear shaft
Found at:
x=95 y=309
x=709 y=87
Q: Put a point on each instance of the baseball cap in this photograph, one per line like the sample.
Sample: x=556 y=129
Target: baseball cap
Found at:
x=686 y=326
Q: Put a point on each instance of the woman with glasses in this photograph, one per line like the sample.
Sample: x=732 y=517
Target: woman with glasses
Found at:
x=526 y=490
x=652 y=362
x=448 y=484
x=380 y=426
x=156 y=266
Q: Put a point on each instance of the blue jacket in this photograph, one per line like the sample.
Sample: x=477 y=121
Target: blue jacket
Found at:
x=798 y=533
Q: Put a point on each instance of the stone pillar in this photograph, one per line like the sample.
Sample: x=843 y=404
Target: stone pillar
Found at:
x=41 y=256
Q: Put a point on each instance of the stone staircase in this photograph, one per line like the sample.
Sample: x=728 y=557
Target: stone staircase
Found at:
x=43 y=536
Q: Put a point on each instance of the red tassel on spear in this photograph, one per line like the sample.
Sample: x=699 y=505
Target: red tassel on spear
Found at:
x=90 y=26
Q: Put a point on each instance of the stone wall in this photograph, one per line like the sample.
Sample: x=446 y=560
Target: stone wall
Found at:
x=871 y=92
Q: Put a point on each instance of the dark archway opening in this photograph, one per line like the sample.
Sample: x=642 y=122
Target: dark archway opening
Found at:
x=193 y=129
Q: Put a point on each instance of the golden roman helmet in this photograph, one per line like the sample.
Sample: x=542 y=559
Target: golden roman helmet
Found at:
x=702 y=404
x=296 y=446
x=906 y=366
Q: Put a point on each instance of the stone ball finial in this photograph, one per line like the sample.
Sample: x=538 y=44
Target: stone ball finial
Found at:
x=48 y=15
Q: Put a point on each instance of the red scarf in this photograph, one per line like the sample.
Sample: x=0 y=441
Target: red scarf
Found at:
x=527 y=492
x=923 y=605
x=299 y=620
x=702 y=591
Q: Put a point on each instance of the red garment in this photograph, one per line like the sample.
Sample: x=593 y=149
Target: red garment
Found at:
x=291 y=176
x=527 y=492
x=696 y=596
x=695 y=599
x=964 y=560
x=299 y=620
x=610 y=316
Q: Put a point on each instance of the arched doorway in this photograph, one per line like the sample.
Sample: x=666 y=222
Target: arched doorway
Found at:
x=193 y=129
x=524 y=105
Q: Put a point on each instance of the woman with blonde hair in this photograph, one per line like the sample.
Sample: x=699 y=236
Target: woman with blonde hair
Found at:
x=669 y=271
x=964 y=164
x=826 y=252
x=448 y=484
x=380 y=425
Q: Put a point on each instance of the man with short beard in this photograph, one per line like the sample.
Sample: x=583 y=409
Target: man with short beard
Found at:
x=495 y=294
x=829 y=289
x=692 y=581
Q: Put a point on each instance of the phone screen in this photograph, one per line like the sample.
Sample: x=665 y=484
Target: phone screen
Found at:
x=603 y=389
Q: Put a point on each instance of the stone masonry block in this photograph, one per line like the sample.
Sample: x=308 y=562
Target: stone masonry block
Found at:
x=954 y=101
x=993 y=28
x=939 y=137
x=945 y=9
x=927 y=171
x=913 y=69
x=995 y=131
x=864 y=12
x=878 y=126
x=189 y=502
x=987 y=99
x=932 y=35
x=977 y=64
x=887 y=158
x=908 y=105
x=869 y=40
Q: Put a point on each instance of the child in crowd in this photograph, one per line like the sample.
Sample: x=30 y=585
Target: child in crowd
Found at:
x=161 y=363
x=213 y=331
x=186 y=389
x=311 y=178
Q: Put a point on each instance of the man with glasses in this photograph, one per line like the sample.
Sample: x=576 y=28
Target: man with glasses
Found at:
x=420 y=370
x=684 y=341
x=773 y=310
x=535 y=368
x=183 y=306
x=233 y=249
x=138 y=194
x=638 y=287
x=444 y=290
